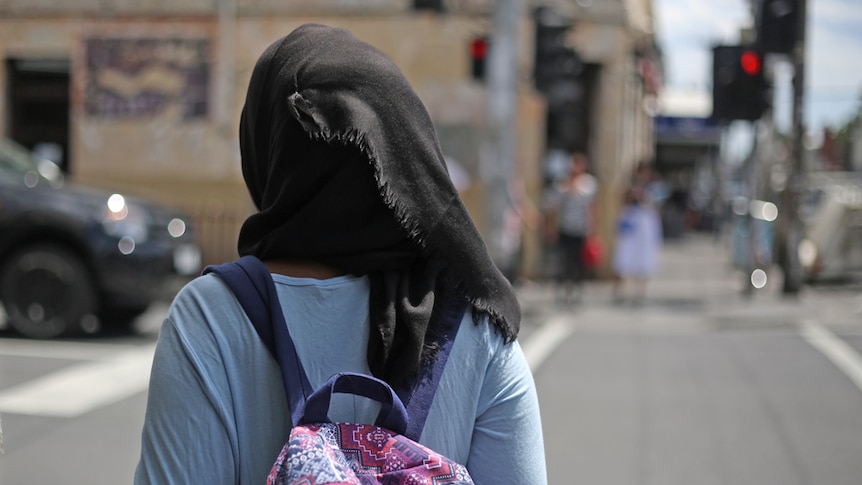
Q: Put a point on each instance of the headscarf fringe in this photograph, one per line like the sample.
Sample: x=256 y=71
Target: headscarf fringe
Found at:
x=412 y=227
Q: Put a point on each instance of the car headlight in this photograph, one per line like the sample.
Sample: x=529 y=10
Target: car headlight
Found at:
x=187 y=259
x=177 y=227
x=123 y=220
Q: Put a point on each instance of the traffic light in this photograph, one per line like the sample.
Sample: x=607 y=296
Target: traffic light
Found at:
x=478 y=56
x=554 y=60
x=739 y=87
x=777 y=25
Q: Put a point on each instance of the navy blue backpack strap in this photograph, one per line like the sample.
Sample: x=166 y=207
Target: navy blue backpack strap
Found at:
x=252 y=284
x=418 y=398
x=392 y=414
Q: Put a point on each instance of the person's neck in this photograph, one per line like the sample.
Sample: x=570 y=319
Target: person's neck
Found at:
x=303 y=269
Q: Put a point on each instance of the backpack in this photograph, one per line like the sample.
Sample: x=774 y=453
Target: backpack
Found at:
x=319 y=451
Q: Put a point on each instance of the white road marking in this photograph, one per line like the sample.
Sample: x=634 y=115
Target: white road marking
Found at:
x=546 y=339
x=836 y=350
x=83 y=387
x=60 y=350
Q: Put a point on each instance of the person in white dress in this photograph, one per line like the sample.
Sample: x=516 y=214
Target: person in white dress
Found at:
x=638 y=245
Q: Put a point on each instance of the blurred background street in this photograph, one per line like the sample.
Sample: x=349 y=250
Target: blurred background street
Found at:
x=733 y=128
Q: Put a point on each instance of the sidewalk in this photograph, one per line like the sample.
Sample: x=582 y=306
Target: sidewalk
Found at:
x=697 y=290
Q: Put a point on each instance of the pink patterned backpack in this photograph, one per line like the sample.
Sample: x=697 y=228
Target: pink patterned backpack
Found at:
x=321 y=452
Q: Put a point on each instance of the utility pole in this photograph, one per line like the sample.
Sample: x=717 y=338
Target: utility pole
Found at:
x=498 y=153
x=226 y=77
x=791 y=266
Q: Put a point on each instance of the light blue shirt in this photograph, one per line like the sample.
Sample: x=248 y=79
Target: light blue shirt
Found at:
x=217 y=413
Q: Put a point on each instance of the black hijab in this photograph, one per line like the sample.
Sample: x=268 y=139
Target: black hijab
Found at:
x=343 y=163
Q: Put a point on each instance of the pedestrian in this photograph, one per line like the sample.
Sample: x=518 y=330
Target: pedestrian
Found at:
x=570 y=219
x=368 y=244
x=638 y=244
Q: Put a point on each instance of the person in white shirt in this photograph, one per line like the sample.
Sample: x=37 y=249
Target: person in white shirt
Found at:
x=570 y=221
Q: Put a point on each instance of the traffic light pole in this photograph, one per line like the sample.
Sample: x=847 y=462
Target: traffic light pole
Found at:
x=498 y=153
x=791 y=267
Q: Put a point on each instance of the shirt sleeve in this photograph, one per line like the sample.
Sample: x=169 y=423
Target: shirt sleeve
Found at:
x=182 y=416
x=507 y=445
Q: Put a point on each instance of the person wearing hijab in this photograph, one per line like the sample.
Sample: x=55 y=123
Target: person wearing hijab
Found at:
x=368 y=244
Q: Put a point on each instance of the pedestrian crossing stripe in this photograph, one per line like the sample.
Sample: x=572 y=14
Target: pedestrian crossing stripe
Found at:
x=546 y=339
x=82 y=387
x=845 y=358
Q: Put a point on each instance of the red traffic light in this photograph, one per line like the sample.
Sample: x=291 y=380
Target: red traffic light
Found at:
x=751 y=63
x=740 y=90
x=479 y=48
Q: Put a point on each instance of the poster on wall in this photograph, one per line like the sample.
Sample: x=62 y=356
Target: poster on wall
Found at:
x=146 y=77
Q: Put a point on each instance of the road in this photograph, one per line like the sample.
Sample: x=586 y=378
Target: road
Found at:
x=72 y=410
x=697 y=385
x=701 y=384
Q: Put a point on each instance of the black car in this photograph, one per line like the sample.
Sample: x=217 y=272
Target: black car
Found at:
x=74 y=258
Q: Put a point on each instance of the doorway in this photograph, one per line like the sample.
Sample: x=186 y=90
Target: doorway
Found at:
x=38 y=100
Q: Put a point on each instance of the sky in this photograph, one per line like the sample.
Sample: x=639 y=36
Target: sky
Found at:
x=687 y=30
